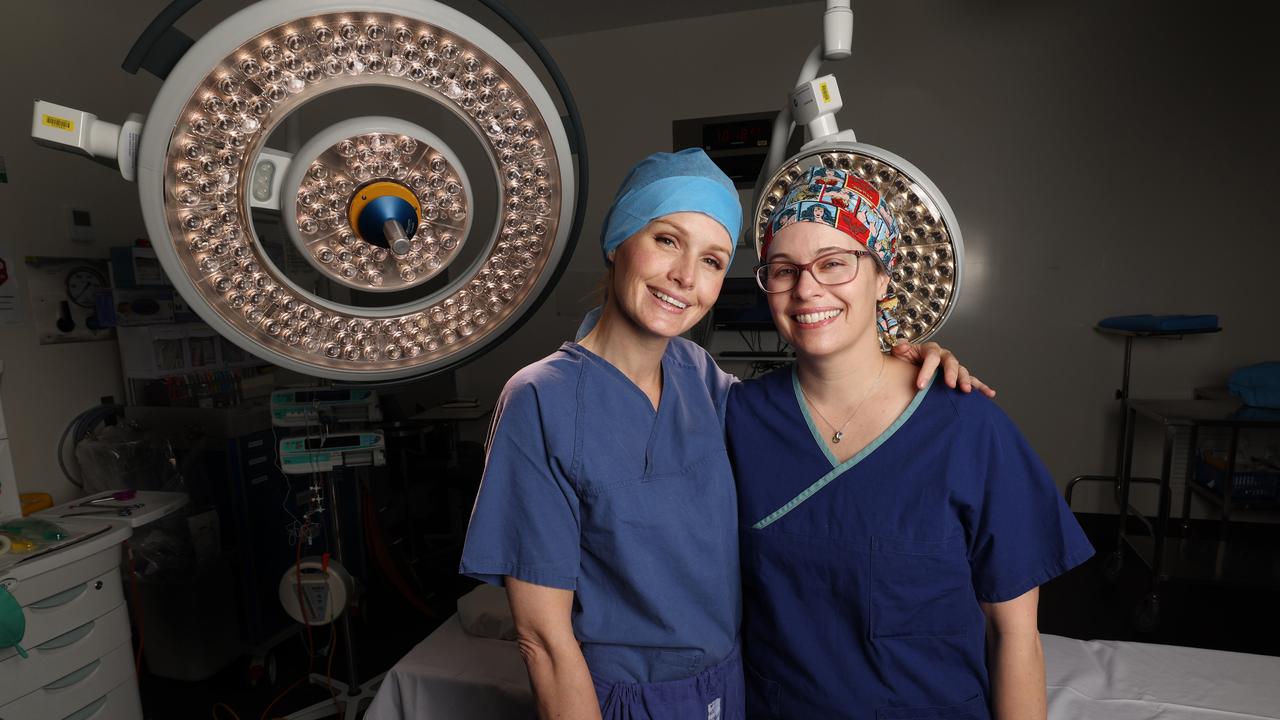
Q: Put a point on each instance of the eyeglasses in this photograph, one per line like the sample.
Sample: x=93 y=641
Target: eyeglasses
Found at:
x=831 y=269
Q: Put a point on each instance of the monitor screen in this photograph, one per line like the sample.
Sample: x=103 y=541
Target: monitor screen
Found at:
x=333 y=441
x=318 y=396
x=742 y=306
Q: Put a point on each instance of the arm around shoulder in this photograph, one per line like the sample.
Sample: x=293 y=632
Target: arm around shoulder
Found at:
x=557 y=670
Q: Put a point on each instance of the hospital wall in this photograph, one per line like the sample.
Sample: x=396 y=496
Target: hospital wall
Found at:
x=73 y=63
x=70 y=53
x=1102 y=159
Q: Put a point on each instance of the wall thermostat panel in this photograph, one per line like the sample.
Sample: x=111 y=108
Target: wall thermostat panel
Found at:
x=79 y=224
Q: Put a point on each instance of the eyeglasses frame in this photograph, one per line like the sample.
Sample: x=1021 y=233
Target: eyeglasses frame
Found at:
x=809 y=267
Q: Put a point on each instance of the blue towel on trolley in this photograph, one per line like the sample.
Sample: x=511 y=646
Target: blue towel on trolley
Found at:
x=1160 y=323
x=1257 y=385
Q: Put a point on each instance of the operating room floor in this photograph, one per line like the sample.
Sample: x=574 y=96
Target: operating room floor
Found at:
x=387 y=629
x=1080 y=604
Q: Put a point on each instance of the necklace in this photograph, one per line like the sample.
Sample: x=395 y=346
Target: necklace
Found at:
x=838 y=435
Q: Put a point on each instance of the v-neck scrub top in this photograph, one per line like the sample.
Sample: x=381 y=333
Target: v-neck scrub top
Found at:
x=861 y=579
x=587 y=488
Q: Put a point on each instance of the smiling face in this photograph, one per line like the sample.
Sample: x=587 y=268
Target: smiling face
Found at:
x=818 y=319
x=668 y=275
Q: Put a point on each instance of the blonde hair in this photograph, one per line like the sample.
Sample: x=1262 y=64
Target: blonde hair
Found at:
x=601 y=291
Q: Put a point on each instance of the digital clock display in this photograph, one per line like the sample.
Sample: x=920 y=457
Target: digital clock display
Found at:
x=736 y=134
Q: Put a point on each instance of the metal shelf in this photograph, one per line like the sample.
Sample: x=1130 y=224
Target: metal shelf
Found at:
x=1236 y=503
x=1204 y=560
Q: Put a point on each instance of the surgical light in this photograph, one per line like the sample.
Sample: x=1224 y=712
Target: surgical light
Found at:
x=376 y=205
x=925 y=282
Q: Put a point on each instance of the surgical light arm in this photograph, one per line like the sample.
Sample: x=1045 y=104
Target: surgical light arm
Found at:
x=807 y=104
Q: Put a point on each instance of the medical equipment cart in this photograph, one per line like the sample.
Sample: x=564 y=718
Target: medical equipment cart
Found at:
x=1215 y=560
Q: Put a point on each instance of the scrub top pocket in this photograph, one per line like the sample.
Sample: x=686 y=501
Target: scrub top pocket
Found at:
x=662 y=531
x=973 y=709
x=921 y=588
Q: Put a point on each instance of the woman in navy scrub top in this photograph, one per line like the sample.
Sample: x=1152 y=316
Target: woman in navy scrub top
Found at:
x=607 y=505
x=893 y=538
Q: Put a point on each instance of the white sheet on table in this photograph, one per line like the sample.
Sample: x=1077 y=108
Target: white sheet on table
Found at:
x=1139 y=681
x=451 y=676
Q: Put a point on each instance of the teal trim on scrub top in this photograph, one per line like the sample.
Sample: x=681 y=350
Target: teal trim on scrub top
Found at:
x=838 y=468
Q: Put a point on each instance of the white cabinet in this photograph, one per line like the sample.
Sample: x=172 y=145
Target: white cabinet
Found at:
x=80 y=662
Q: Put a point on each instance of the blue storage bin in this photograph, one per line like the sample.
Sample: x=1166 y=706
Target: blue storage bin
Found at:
x=1259 y=488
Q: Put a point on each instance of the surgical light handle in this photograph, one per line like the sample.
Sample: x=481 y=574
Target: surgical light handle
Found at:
x=64 y=128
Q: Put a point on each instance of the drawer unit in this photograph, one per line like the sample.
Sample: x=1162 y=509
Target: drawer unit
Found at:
x=122 y=703
x=80 y=655
x=67 y=609
x=62 y=655
x=76 y=691
x=42 y=584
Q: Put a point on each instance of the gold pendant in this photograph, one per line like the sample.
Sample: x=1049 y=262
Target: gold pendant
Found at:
x=836 y=438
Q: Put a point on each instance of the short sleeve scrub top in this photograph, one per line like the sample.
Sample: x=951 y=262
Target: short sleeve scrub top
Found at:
x=861 y=579
x=588 y=488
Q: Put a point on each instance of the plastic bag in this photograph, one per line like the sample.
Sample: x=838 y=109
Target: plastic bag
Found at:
x=126 y=456
x=176 y=547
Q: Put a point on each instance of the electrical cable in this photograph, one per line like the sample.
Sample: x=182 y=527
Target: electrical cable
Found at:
x=302 y=607
x=266 y=713
x=213 y=712
x=382 y=556
x=295 y=525
x=80 y=427
x=310 y=646
x=62 y=463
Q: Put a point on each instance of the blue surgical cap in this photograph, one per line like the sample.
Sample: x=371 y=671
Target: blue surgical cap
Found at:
x=667 y=183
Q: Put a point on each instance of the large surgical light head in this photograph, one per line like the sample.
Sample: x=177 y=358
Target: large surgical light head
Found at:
x=925 y=280
x=379 y=207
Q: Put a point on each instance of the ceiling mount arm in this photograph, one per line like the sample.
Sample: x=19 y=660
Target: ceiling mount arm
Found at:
x=161 y=45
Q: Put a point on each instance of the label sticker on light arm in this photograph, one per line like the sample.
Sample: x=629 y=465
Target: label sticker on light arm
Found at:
x=826 y=94
x=58 y=123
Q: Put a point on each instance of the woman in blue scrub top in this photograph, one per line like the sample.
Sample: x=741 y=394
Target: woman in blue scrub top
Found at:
x=607 y=505
x=893 y=538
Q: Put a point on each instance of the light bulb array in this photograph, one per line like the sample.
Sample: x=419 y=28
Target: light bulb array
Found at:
x=324 y=199
x=226 y=122
x=924 y=278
